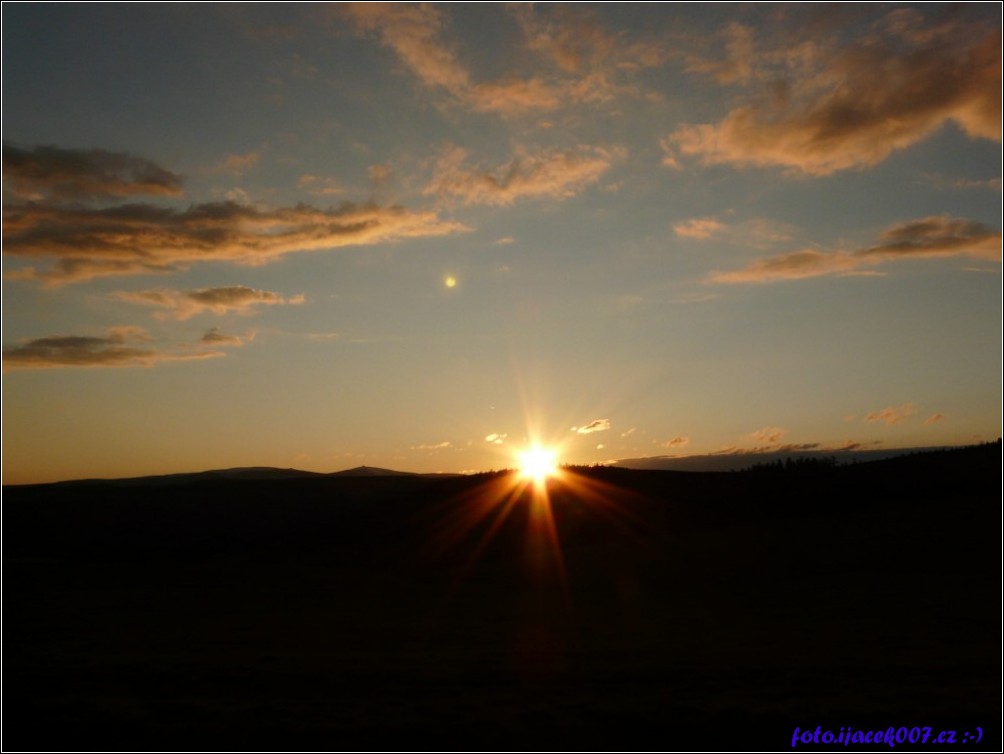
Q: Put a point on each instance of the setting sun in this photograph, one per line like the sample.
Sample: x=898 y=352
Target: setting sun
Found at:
x=538 y=463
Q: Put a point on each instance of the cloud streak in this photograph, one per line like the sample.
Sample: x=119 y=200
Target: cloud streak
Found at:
x=830 y=108
x=120 y=347
x=927 y=237
x=238 y=299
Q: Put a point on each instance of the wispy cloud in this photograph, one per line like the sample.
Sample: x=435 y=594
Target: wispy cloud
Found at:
x=585 y=61
x=319 y=186
x=933 y=418
x=548 y=175
x=940 y=236
x=495 y=438
x=513 y=96
x=237 y=299
x=380 y=175
x=412 y=32
x=591 y=59
x=892 y=414
x=119 y=347
x=758 y=231
x=56 y=174
x=238 y=163
x=826 y=107
x=596 y=425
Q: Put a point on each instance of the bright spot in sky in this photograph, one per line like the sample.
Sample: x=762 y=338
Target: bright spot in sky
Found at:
x=450 y=281
x=538 y=463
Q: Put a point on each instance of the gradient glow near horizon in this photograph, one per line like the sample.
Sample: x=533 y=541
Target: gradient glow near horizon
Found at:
x=425 y=237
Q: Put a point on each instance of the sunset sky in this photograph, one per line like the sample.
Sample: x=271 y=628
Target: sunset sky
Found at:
x=420 y=236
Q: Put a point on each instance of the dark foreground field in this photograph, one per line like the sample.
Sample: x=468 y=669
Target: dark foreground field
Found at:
x=686 y=610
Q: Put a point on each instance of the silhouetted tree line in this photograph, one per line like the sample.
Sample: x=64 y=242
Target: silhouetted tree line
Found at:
x=807 y=463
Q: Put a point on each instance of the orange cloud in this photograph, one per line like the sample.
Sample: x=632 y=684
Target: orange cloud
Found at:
x=892 y=414
x=185 y=304
x=829 y=109
x=588 y=59
x=572 y=38
x=116 y=349
x=933 y=418
x=938 y=236
x=553 y=175
x=591 y=60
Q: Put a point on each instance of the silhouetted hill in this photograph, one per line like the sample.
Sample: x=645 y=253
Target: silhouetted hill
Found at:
x=661 y=609
x=262 y=473
x=371 y=471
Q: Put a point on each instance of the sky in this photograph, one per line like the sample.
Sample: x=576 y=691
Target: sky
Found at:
x=424 y=236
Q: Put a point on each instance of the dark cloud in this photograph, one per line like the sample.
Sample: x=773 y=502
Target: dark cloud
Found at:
x=52 y=173
x=83 y=243
x=120 y=347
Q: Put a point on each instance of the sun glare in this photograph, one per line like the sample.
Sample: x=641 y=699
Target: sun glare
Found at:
x=538 y=463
